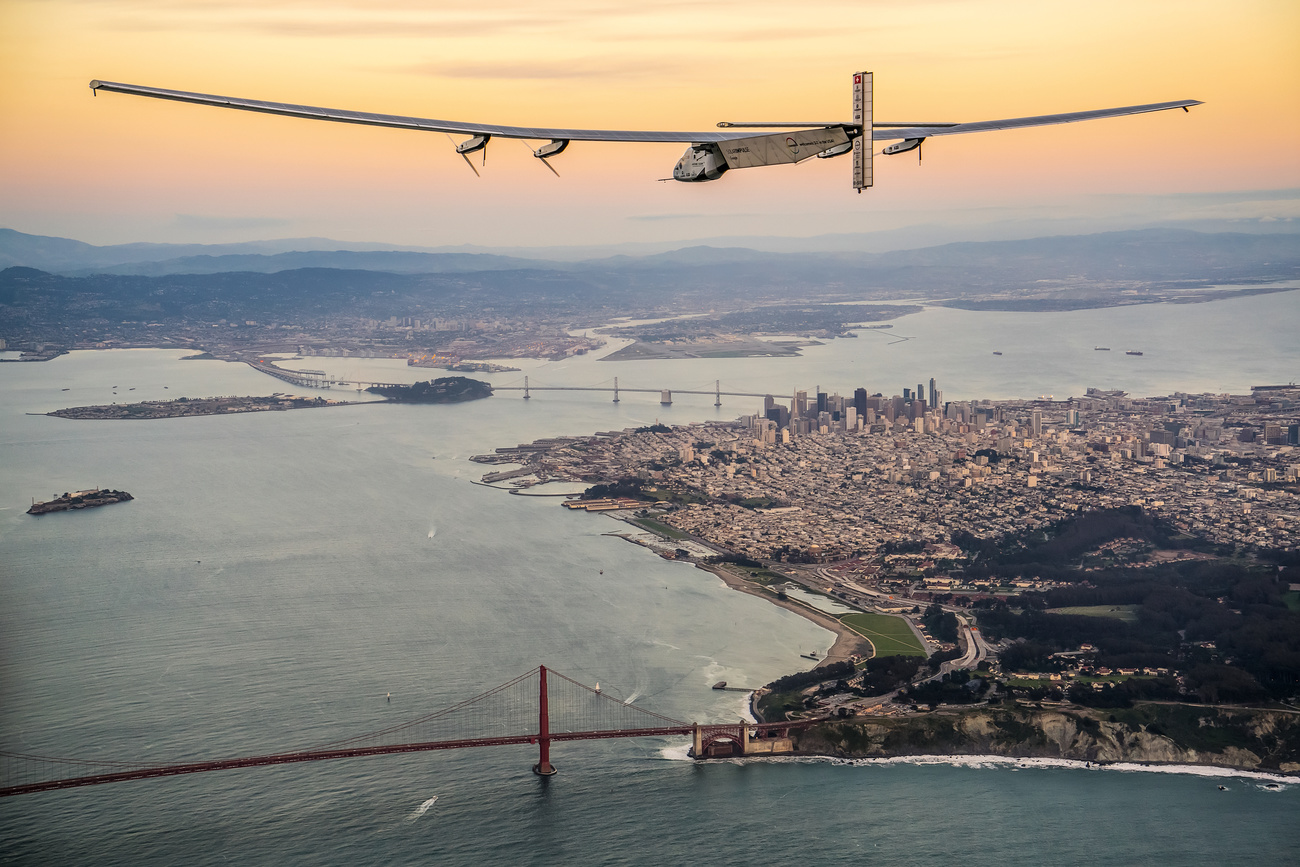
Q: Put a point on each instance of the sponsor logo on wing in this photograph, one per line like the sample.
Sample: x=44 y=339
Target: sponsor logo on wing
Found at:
x=792 y=144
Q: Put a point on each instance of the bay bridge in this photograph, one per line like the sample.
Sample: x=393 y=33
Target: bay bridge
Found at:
x=321 y=379
x=538 y=708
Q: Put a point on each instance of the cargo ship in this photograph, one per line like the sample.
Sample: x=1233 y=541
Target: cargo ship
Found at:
x=1134 y=352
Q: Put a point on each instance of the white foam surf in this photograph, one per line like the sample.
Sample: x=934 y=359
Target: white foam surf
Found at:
x=423 y=808
x=1278 y=780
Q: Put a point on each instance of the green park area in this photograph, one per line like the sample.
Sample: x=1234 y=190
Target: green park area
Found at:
x=1127 y=613
x=658 y=528
x=890 y=635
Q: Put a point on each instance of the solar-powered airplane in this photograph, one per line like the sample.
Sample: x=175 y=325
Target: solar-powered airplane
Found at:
x=741 y=145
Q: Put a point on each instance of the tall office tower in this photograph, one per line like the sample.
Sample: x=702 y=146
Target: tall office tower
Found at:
x=934 y=394
x=920 y=391
x=1072 y=417
x=918 y=408
x=850 y=418
x=860 y=400
x=800 y=407
x=821 y=400
x=907 y=395
x=1036 y=423
x=900 y=407
x=768 y=403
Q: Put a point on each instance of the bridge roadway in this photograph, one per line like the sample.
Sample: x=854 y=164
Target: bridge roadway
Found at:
x=306 y=380
x=621 y=388
x=173 y=770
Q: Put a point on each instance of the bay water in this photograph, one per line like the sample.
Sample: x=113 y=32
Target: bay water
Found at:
x=279 y=574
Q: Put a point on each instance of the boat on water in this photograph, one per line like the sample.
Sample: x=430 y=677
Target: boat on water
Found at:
x=812 y=655
x=995 y=352
x=1101 y=349
x=1134 y=352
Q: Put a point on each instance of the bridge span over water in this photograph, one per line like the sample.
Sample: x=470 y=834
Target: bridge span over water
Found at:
x=538 y=708
x=321 y=379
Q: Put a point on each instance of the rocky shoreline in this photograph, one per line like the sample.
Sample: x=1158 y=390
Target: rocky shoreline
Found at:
x=1247 y=739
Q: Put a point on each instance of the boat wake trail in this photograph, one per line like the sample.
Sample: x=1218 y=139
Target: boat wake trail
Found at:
x=422 y=809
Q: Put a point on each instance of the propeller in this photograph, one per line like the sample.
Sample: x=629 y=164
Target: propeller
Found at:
x=467 y=147
x=541 y=153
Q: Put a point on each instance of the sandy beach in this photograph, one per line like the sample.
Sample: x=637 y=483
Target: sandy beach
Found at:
x=847 y=642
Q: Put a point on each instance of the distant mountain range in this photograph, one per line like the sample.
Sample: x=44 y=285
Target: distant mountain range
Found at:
x=1150 y=246
x=1042 y=273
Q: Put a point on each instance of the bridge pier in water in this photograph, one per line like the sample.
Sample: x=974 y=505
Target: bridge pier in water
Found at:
x=543 y=768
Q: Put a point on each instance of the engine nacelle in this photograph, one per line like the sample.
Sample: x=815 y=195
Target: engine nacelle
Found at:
x=555 y=148
x=902 y=147
x=469 y=146
x=702 y=162
x=838 y=150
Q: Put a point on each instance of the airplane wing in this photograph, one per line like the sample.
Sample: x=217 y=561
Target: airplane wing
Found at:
x=925 y=131
x=418 y=123
x=711 y=153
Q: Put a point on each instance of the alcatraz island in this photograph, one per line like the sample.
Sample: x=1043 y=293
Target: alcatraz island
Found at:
x=79 y=500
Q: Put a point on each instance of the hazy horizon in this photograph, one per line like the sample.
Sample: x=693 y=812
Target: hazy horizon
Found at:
x=117 y=169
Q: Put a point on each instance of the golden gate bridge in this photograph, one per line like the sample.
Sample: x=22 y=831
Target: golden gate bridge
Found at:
x=538 y=708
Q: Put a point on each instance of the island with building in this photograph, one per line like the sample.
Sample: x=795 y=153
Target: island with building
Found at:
x=70 y=502
x=1102 y=578
x=446 y=389
x=184 y=407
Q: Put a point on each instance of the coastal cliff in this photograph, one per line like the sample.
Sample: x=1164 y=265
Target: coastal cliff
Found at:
x=1241 y=738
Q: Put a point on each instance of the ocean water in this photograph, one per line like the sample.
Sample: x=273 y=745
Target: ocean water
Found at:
x=280 y=573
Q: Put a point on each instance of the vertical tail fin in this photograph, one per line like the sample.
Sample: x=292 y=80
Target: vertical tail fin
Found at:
x=862 y=145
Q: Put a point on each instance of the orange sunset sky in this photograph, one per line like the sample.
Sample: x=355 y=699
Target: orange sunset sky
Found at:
x=116 y=168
